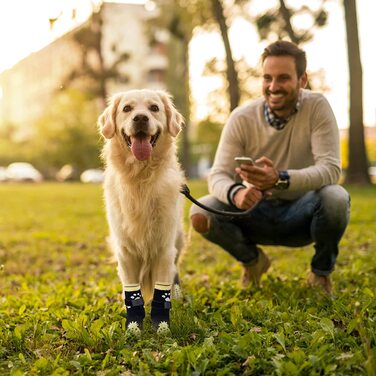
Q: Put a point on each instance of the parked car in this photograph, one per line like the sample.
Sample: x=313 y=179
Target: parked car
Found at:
x=67 y=173
x=3 y=174
x=22 y=171
x=93 y=175
x=372 y=173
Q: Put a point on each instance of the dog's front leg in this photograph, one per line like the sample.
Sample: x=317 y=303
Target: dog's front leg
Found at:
x=129 y=272
x=165 y=272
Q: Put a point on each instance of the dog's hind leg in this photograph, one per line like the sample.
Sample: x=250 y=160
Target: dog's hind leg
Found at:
x=179 y=244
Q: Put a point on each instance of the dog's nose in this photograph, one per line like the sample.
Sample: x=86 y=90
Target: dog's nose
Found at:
x=140 y=118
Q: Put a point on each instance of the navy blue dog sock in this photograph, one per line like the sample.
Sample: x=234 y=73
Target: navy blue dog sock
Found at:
x=134 y=304
x=161 y=304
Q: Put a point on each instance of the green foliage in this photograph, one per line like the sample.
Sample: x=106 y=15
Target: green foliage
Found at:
x=67 y=133
x=61 y=309
x=13 y=146
x=281 y=21
x=206 y=138
x=371 y=151
x=11 y=151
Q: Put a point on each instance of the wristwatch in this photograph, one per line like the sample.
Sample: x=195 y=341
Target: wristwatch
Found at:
x=283 y=181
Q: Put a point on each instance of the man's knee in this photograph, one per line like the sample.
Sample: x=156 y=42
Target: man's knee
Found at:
x=334 y=197
x=336 y=203
x=200 y=223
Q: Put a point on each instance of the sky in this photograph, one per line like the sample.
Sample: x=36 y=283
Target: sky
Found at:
x=24 y=28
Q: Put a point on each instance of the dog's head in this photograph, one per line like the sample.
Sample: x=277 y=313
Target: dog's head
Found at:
x=140 y=118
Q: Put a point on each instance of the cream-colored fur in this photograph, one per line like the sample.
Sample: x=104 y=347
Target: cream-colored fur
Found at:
x=143 y=202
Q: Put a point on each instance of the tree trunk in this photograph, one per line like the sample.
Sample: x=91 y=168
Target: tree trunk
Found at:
x=357 y=171
x=231 y=73
x=179 y=73
x=97 y=29
x=186 y=150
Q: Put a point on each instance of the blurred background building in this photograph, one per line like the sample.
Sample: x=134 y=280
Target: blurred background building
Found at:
x=112 y=51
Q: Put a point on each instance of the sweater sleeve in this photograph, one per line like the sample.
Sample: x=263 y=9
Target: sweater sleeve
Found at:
x=325 y=150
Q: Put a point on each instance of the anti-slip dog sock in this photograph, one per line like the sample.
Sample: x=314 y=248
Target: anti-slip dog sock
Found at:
x=134 y=304
x=161 y=304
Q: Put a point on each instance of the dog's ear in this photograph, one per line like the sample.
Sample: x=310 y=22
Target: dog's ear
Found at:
x=174 y=118
x=107 y=120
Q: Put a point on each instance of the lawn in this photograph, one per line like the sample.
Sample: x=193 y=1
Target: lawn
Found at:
x=61 y=309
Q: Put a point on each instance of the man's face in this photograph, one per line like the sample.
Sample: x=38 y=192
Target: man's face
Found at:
x=281 y=84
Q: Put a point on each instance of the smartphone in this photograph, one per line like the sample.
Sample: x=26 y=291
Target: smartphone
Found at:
x=244 y=160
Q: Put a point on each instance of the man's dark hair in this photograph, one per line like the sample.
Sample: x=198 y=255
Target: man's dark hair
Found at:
x=285 y=48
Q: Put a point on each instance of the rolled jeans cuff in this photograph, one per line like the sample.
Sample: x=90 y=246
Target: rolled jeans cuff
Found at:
x=322 y=273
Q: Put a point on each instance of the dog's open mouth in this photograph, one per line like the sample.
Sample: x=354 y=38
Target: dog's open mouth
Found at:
x=141 y=144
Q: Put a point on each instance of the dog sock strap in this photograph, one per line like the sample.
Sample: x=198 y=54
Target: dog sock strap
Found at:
x=134 y=304
x=161 y=304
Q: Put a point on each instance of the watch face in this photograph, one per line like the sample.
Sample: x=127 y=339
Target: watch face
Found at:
x=281 y=184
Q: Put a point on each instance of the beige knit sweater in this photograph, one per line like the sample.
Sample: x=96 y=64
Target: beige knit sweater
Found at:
x=308 y=146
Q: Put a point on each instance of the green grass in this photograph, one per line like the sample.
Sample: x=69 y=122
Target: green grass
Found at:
x=61 y=309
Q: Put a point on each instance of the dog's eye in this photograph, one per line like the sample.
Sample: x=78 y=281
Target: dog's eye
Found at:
x=154 y=108
x=127 y=108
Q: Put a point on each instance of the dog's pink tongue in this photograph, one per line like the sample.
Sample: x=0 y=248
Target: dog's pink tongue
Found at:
x=141 y=147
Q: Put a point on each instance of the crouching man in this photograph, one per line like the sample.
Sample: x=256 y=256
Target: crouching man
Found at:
x=292 y=135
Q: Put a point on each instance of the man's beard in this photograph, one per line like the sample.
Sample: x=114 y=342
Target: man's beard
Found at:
x=286 y=103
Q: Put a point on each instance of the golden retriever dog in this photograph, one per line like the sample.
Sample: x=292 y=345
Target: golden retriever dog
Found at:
x=142 y=195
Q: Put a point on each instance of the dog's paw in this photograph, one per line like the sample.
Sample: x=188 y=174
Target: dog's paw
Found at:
x=163 y=329
x=133 y=330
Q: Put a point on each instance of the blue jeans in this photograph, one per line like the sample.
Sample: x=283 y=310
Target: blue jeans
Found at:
x=318 y=217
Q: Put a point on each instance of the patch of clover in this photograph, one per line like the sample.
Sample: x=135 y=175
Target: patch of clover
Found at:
x=163 y=329
x=134 y=329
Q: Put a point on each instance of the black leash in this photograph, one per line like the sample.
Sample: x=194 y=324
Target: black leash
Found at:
x=186 y=192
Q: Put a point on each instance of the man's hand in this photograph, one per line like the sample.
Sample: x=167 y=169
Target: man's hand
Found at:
x=263 y=175
x=246 y=198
